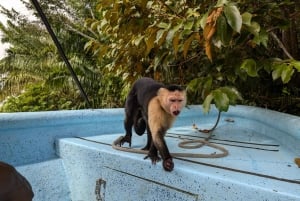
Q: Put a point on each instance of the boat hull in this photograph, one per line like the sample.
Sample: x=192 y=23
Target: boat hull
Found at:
x=67 y=155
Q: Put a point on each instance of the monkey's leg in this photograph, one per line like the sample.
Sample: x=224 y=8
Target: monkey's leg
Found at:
x=153 y=154
x=128 y=126
x=149 y=140
x=161 y=145
x=130 y=113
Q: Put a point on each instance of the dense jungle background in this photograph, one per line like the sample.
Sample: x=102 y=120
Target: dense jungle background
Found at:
x=224 y=52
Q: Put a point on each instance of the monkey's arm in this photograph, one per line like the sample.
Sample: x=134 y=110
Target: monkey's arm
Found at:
x=159 y=123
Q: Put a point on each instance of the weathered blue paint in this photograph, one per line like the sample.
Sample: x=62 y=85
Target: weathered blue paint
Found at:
x=66 y=155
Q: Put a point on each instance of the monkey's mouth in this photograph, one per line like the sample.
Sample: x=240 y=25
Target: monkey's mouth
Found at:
x=175 y=113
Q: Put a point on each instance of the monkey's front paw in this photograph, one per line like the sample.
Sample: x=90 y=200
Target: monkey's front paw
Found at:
x=154 y=158
x=168 y=164
x=124 y=140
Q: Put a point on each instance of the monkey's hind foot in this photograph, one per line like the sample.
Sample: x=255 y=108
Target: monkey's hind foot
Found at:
x=154 y=158
x=125 y=139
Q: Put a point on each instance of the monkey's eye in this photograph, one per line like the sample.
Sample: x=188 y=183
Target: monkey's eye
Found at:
x=175 y=100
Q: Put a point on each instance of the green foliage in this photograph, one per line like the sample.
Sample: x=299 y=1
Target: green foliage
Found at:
x=249 y=65
x=220 y=50
x=169 y=41
x=40 y=98
x=110 y=92
x=223 y=97
x=164 y=39
x=285 y=70
x=233 y=17
x=32 y=57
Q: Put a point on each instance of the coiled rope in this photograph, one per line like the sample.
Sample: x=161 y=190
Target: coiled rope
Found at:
x=188 y=144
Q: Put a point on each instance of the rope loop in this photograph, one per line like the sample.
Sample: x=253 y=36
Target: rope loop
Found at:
x=183 y=144
x=188 y=144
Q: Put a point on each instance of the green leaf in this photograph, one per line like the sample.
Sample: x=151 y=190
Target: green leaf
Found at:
x=158 y=60
x=207 y=83
x=201 y=85
x=203 y=20
x=296 y=64
x=233 y=17
x=221 y=3
x=224 y=33
x=264 y=38
x=221 y=100
x=163 y=25
x=161 y=36
x=189 y=25
x=187 y=44
x=94 y=25
x=194 y=84
x=198 y=24
x=232 y=94
x=276 y=73
x=137 y=40
x=254 y=28
x=176 y=42
x=88 y=45
x=192 y=12
x=207 y=102
x=247 y=17
x=261 y=38
x=267 y=66
x=173 y=31
x=286 y=74
x=150 y=39
x=249 y=65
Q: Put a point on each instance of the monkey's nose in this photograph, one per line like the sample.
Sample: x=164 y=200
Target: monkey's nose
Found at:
x=176 y=112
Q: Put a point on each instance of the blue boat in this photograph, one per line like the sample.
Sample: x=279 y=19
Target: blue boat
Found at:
x=68 y=156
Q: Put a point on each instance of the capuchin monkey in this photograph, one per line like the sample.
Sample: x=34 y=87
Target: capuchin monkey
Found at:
x=153 y=106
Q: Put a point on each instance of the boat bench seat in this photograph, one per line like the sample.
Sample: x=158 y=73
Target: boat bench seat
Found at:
x=97 y=171
x=48 y=177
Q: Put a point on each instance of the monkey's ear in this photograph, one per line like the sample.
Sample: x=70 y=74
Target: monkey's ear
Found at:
x=162 y=91
x=162 y=95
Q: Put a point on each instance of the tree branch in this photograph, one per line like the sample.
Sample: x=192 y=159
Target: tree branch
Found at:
x=281 y=45
x=79 y=32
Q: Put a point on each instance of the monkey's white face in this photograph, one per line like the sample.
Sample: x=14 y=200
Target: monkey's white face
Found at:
x=176 y=101
x=172 y=101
